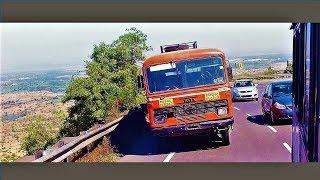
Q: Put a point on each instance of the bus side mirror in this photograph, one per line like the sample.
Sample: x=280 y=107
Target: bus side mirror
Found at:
x=140 y=82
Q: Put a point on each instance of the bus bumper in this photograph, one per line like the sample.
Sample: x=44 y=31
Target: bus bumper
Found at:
x=194 y=128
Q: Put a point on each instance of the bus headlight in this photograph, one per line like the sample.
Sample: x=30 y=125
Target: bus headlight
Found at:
x=222 y=111
x=159 y=119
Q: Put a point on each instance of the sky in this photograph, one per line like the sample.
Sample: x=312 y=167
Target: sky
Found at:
x=35 y=46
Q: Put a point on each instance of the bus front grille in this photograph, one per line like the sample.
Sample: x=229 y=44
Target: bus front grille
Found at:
x=191 y=112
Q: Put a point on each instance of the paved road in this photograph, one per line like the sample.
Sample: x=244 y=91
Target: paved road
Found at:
x=252 y=140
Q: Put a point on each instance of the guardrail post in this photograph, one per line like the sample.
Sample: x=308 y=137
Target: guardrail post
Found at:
x=82 y=133
x=60 y=144
x=38 y=154
x=69 y=159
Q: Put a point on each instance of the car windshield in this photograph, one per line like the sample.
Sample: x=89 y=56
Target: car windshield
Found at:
x=243 y=84
x=282 y=88
x=185 y=74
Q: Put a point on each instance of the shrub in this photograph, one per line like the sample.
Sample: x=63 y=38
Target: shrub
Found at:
x=269 y=71
x=39 y=135
x=141 y=99
x=289 y=69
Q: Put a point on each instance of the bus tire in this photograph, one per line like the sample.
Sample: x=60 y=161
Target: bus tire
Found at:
x=162 y=144
x=225 y=139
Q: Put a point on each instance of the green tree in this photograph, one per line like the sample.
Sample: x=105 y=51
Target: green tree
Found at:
x=110 y=83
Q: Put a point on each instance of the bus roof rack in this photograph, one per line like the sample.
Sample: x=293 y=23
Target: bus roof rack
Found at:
x=177 y=47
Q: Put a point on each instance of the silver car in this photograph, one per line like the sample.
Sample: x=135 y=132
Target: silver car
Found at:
x=244 y=90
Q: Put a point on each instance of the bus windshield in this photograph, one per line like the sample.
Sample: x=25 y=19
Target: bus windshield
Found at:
x=185 y=74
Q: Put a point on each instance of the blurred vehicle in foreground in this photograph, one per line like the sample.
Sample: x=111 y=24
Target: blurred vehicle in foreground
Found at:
x=244 y=90
x=306 y=96
x=277 y=101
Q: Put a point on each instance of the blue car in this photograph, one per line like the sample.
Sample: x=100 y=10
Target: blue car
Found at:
x=277 y=101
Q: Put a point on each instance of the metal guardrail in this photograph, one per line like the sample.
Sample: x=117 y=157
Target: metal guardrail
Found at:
x=63 y=153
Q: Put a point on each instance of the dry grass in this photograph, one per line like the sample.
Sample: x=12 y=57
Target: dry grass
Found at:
x=264 y=74
x=102 y=153
x=12 y=132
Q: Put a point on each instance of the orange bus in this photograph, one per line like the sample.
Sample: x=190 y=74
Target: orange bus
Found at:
x=188 y=92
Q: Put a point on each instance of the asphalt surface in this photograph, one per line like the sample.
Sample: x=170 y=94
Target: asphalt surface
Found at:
x=253 y=139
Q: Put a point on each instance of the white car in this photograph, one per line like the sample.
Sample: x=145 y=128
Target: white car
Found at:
x=244 y=90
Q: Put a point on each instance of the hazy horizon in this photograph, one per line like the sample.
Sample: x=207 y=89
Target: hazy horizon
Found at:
x=38 y=46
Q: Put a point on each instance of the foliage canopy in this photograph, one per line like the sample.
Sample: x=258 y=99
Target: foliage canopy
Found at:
x=110 y=85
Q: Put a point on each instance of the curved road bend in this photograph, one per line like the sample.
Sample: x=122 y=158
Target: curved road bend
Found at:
x=252 y=140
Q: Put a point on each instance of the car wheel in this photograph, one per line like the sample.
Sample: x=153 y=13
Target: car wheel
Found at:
x=265 y=115
x=272 y=117
x=256 y=99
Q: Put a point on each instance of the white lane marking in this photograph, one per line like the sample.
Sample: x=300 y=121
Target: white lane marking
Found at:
x=236 y=108
x=168 y=158
x=286 y=145
x=272 y=128
x=248 y=114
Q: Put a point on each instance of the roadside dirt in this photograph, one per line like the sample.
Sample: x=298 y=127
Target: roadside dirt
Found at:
x=31 y=103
